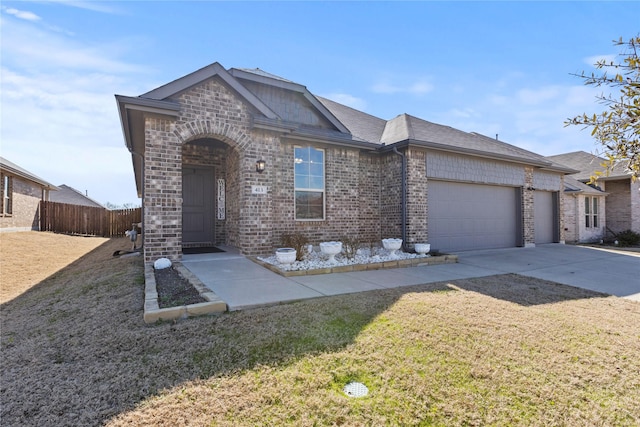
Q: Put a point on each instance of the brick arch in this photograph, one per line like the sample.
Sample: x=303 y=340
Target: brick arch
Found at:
x=225 y=132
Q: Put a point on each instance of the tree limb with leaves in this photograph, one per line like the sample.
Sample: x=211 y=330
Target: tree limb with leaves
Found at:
x=618 y=128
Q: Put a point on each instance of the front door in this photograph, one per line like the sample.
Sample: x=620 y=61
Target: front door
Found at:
x=197 y=205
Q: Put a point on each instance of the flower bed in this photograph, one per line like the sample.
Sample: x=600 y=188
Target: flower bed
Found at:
x=316 y=263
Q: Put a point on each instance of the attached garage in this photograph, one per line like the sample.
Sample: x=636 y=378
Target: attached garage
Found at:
x=545 y=216
x=464 y=216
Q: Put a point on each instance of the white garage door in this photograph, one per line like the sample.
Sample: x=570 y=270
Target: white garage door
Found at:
x=543 y=217
x=471 y=216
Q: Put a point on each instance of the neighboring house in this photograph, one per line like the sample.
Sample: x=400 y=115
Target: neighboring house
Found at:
x=584 y=212
x=622 y=208
x=21 y=192
x=71 y=196
x=240 y=157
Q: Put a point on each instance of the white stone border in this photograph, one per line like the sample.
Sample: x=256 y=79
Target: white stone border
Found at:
x=153 y=312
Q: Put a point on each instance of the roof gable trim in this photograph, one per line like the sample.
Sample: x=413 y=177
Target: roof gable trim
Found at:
x=203 y=74
x=279 y=82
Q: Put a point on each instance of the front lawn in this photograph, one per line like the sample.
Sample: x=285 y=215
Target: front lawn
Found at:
x=502 y=350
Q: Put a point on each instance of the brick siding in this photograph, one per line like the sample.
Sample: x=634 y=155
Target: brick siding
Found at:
x=25 y=205
x=575 y=227
x=618 y=204
x=362 y=190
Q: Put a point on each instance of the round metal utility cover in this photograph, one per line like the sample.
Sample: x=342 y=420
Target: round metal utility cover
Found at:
x=354 y=389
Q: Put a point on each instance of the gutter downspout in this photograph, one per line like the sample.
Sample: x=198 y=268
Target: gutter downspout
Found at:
x=404 y=197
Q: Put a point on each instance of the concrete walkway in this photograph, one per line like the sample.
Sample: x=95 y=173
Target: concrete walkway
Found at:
x=242 y=283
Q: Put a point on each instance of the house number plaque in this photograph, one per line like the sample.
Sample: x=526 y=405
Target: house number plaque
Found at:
x=258 y=189
x=221 y=199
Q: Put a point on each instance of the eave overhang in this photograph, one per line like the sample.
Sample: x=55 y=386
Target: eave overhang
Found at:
x=541 y=164
x=318 y=139
x=132 y=112
x=27 y=176
x=293 y=131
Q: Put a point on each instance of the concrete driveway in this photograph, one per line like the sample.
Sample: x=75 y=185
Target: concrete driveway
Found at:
x=613 y=272
x=242 y=283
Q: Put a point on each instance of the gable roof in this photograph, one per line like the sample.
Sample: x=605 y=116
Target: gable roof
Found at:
x=573 y=186
x=183 y=83
x=71 y=196
x=406 y=129
x=349 y=126
x=13 y=169
x=587 y=164
x=260 y=76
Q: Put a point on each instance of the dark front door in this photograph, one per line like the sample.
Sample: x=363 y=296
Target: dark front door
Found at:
x=197 y=205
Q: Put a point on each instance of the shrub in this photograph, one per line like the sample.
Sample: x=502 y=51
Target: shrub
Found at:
x=373 y=245
x=350 y=246
x=297 y=241
x=628 y=238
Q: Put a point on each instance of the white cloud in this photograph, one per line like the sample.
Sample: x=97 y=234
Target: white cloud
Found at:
x=95 y=6
x=531 y=117
x=419 y=87
x=464 y=113
x=27 y=16
x=537 y=96
x=59 y=115
x=35 y=48
x=348 y=100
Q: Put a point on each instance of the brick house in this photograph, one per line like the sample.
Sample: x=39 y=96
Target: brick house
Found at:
x=199 y=143
x=622 y=207
x=21 y=194
x=585 y=215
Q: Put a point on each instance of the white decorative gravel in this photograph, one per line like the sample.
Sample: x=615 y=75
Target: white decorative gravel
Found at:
x=316 y=260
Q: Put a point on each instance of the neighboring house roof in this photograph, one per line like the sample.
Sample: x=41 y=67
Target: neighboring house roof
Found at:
x=587 y=164
x=12 y=168
x=573 y=186
x=71 y=196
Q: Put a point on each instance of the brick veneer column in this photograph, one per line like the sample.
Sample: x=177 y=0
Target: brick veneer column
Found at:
x=527 y=208
x=369 y=198
x=162 y=191
x=416 y=197
x=391 y=196
x=561 y=219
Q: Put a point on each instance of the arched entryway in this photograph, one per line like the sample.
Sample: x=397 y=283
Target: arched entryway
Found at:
x=209 y=192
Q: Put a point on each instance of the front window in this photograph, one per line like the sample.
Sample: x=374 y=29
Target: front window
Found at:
x=6 y=194
x=309 y=183
x=591 y=212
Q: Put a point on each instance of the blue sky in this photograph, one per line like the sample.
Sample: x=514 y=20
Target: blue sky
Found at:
x=489 y=67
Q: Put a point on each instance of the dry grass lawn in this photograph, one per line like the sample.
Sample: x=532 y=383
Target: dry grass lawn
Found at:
x=502 y=350
x=29 y=257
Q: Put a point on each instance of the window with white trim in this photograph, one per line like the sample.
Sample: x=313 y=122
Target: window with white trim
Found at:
x=309 y=183
x=7 y=193
x=591 y=212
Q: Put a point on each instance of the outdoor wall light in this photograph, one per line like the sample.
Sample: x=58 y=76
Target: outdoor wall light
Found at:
x=260 y=165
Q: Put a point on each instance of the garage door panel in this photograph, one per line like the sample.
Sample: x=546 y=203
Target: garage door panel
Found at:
x=465 y=216
x=543 y=214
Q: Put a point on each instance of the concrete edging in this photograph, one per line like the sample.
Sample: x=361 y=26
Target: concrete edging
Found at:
x=152 y=310
x=401 y=263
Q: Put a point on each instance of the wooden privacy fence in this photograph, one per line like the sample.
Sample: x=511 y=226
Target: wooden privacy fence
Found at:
x=86 y=220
